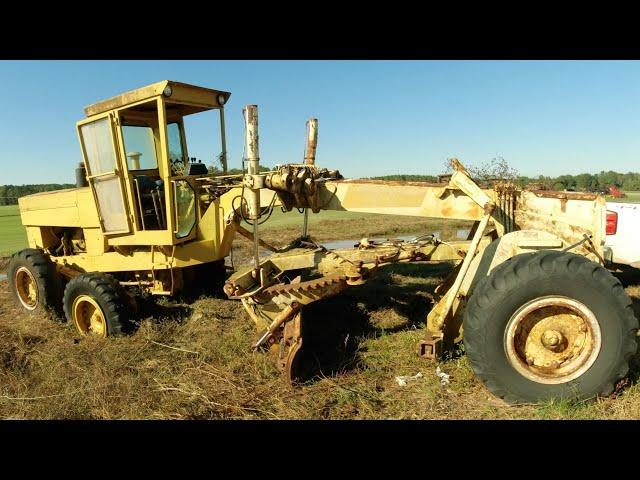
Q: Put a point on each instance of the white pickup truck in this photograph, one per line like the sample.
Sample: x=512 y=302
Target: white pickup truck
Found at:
x=622 y=246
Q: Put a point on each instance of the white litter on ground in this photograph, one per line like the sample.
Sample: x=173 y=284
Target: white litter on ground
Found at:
x=402 y=380
x=444 y=377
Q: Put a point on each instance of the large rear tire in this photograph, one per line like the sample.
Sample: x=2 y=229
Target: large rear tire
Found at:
x=34 y=281
x=549 y=325
x=96 y=304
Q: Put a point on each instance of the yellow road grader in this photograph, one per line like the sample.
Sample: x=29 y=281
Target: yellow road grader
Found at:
x=538 y=313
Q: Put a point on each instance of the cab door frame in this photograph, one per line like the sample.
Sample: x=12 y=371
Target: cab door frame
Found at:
x=129 y=174
x=115 y=172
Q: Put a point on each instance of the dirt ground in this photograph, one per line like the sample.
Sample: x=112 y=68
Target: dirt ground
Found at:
x=194 y=361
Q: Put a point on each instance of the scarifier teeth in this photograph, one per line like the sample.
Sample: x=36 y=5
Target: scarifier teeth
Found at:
x=305 y=286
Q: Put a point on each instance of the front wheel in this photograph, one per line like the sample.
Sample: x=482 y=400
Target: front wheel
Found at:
x=549 y=325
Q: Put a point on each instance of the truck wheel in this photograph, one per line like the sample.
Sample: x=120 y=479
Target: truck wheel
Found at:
x=34 y=281
x=549 y=325
x=96 y=304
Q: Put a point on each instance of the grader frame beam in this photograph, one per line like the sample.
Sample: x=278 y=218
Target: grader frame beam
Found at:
x=268 y=291
x=339 y=269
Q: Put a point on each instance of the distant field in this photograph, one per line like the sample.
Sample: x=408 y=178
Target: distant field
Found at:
x=281 y=219
x=12 y=234
x=631 y=197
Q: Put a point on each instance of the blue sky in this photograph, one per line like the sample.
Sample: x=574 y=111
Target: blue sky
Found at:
x=375 y=118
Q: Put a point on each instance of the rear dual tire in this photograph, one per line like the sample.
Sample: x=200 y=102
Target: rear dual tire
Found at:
x=96 y=304
x=34 y=281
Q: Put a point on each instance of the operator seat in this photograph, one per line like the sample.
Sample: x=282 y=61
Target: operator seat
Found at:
x=150 y=198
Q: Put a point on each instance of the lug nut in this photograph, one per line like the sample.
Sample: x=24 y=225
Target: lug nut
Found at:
x=551 y=339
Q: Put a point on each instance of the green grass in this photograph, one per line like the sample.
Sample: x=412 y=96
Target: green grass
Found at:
x=280 y=219
x=13 y=236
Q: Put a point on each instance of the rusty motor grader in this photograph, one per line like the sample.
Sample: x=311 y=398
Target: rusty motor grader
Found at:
x=539 y=315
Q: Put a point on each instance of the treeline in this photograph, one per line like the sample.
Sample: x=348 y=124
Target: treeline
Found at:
x=408 y=178
x=583 y=182
x=233 y=171
x=587 y=181
x=9 y=194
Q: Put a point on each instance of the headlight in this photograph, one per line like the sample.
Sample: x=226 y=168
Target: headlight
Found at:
x=221 y=99
x=167 y=91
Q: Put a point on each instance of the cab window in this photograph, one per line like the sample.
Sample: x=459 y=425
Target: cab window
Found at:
x=140 y=147
x=175 y=143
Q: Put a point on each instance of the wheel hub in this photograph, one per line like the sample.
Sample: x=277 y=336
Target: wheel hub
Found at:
x=552 y=339
x=88 y=316
x=26 y=288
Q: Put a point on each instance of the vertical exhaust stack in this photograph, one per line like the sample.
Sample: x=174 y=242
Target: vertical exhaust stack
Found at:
x=135 y=160
x=81 y=176
x=253 y=182
x=311 y=144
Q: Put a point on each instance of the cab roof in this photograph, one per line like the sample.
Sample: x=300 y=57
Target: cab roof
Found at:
x=193 y=98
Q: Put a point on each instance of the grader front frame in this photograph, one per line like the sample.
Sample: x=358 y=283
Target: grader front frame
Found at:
x=553 y=343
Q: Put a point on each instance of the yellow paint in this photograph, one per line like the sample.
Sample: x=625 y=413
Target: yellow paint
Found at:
x=47 y=215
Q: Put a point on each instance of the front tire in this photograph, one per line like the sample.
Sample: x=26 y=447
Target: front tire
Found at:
x=549 y=325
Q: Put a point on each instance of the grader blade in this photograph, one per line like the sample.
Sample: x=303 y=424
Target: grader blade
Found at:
x=291 y=343
x=276 y=301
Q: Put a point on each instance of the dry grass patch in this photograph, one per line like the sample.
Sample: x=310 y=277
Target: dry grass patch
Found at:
x=194 y=361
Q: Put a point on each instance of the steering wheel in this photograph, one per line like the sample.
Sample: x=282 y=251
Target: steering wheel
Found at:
x=177 y=166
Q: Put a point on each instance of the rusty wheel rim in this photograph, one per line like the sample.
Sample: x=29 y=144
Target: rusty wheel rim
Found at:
x=26 y=288
x=552 y=339
x=88 y=316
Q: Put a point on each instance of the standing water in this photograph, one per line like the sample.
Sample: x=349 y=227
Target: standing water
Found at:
x=336 y=244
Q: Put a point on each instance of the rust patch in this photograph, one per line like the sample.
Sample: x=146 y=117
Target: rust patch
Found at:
x=564 y=195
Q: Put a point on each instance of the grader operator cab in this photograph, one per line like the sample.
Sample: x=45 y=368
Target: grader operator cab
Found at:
x=539 y=315
x=137 y=165
x=145 y=217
